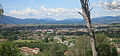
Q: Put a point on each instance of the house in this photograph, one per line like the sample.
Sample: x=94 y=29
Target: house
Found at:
x=26 y=51
x=67 y=53
x=2 y=40
x=36 y=50
x=118 y=49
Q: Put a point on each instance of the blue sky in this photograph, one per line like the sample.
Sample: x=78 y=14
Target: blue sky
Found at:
x=57 y=9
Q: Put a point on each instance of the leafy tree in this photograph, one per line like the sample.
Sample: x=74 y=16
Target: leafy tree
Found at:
x=101 y=39
x=81 y=47
x=62 y=38
x=39 y=44
x=105 y=50
x=8 y=49
x=57 y=49
x=46 y=39
x=51 y=39
x=45 y=52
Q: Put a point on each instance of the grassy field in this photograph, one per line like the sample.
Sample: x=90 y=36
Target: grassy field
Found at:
x=24 y=40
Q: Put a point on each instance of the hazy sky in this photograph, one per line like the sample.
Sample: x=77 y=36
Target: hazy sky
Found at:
x=57 y=9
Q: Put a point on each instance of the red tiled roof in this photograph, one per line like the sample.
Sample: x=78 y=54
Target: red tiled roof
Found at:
x=30 y=49
x=36 y=48
x=24 y=50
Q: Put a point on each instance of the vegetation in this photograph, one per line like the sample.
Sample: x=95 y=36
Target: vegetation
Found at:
x=73 y=43
x=62 y=39
x=57 y=49
x=81 y=47
x=101 y=39
x=36 y=44
x=105 y=50
x=9 y=49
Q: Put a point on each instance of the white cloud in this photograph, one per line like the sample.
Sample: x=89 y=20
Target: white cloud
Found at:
x=96 y=4
x=96 y=15
x=58 y=13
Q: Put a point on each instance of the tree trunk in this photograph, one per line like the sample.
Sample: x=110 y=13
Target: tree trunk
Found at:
x=86 y=15
x=92 y=39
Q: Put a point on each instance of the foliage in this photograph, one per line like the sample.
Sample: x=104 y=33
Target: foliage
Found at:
x=101 y=39
x=38 y=44
x=62 y=38
x=105 y=50
x=103 y=47
x=45 y=52
x=51 y=39
x=11 y=35
x=9 y=49
x=46 y=39
x=57 y=49
x=81 y=47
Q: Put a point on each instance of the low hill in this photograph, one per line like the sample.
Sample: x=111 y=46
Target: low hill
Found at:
x=99 y=20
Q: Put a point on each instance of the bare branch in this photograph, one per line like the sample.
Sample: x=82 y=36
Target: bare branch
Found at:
x=91 y=9
x=80 y=13
x=111 y=5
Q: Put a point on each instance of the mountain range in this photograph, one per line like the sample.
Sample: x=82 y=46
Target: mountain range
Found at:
x=98 y=20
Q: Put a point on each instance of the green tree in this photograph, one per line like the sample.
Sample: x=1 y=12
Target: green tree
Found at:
x=37 y=44
x=62 y=38
x=105 y=50
x=46 y=39
x=9 y=49
x=51 y=39
x=57 y=49
x=101 y=39
x=81 y=47
x=44 y=53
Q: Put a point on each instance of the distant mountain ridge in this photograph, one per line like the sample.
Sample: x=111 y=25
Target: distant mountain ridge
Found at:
x=97 y=20
x=106 y=20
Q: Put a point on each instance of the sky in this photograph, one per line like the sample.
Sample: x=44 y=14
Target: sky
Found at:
x=57 y=9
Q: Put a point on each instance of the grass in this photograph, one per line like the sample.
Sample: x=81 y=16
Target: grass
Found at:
x=24 y=40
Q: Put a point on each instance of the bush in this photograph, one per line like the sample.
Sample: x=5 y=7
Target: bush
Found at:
x=9 y=49
x=105 y=50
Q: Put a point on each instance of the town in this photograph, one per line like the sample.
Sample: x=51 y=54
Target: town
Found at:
x=33 y=40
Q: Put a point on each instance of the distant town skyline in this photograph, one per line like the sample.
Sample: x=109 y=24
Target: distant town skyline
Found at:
x=57 y=9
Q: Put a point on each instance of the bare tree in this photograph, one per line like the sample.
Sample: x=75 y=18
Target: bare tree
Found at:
x=86 y=15
x=111 y=4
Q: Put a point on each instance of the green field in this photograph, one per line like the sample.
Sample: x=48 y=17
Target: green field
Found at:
x=24 y=40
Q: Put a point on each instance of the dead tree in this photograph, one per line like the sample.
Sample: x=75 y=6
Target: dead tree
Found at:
x=86 y=15
x=111 y=5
